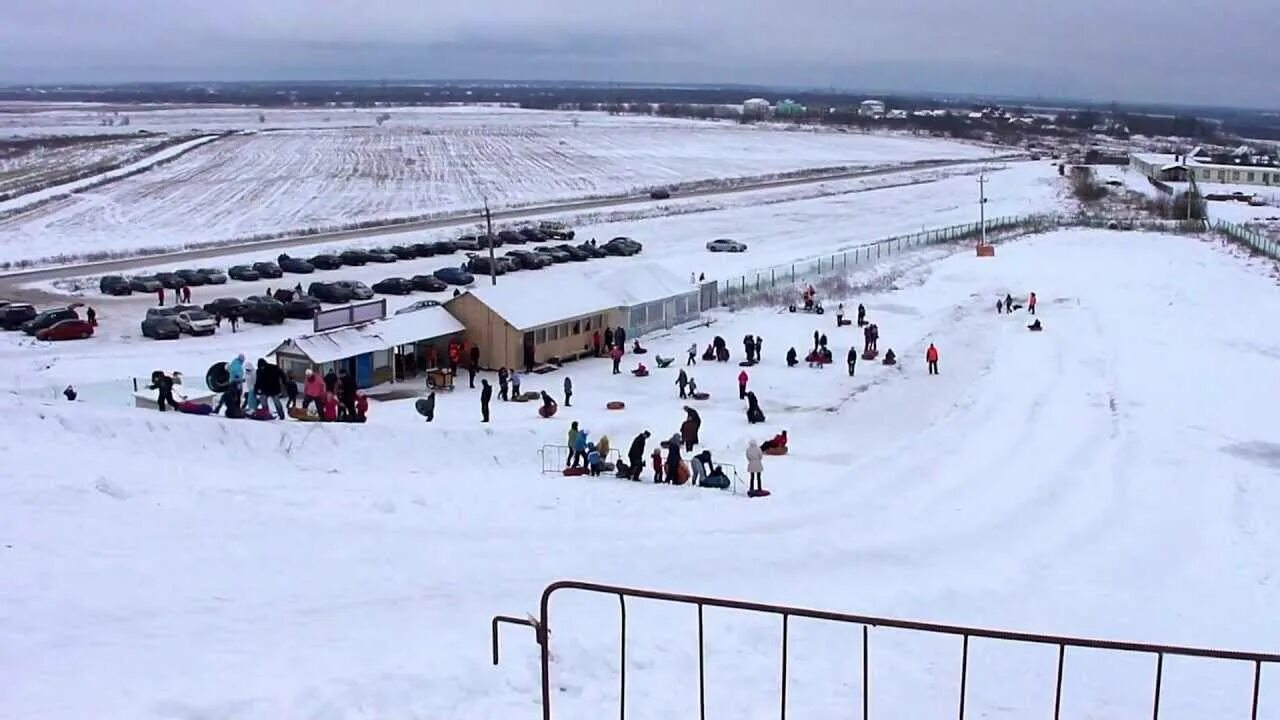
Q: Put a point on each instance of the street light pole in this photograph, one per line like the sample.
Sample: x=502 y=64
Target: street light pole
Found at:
x=488 y=229
x=982 y=209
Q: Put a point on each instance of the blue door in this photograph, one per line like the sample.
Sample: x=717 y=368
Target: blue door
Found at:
x=364 y=370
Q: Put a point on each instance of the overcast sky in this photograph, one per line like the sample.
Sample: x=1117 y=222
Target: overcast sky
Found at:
x=1188 y=51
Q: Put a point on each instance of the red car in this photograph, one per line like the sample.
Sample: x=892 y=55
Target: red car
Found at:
x=66 y=330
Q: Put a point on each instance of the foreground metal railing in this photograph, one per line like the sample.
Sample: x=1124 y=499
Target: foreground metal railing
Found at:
x=542 y=631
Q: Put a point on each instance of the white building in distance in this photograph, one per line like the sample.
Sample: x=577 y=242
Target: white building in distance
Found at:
x=756 y=107
x=871 y=108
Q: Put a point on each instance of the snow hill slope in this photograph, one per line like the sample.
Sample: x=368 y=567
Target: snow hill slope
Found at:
x=1113 y=476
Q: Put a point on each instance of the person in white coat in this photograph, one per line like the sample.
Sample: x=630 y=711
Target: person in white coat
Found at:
x=755 y=466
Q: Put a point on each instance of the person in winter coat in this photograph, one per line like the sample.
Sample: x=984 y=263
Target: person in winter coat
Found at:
x=429 y=406
x=486 y=394
x=92 y=316
x=755 y=466
x=673 y=459
x=160 y=297
x=596 y=345
x=475 y=358
x=580 y=447
x=616 y=356
x=822 y=340
x=1008 y=302
x=754 y=413
x=329 y=413
x=635 y=455
x=852 y=359
x=503 y=384
x=698 y=467
x=313 y=390
x=362 y=407
x=608 y=338
x=742 y=385
x=1031 y=304
x=690 y=427
x=570 y=440
x=875 y=337
x=568 y=391
x=604 y=446
x=594 y=461
x=749 y=348
x=347 y=394
x=549 y=404
x=515 y=384
x=290 y=392
x=620 y=336
x=682 y=382
x=759 y=346
x=250 y=388
x=862 y=315
x=163 y=385
x=999 y=306
x=331 y=382
x=931 y=357
x=792 y=360
x=777 y=441
x=268 y=382
x=693 y=355
x=471 y=375
x=657 y=465
x=816 y=337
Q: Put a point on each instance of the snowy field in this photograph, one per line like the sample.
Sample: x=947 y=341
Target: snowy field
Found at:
x=1113 y=476
x=51 y=164
x=424 y=163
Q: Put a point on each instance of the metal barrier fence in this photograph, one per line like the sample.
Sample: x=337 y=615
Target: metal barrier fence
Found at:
x=739 y=288
x=1249 y=238
x=542 y=632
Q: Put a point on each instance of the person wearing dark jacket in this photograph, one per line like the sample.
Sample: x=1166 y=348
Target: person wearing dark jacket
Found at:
x=486 y=394
x=690 y=427
x=503 y=377
x=672 y=470
x=268 y=383
x=163 y=384
x=331 y=382
x=852 y=357
x=347 y=395
x=749 y=348
x=608 y=338
x=815 y=339
x=682 y=382
x=754 y=413
x=427 y=406
x=862 y=315
x=568 y=391
x=792 y=361
x=290 y=391
x=759 y=346
x=635 y=455
x=620 y=336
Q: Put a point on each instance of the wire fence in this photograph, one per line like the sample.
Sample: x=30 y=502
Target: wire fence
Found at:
x=1250 y=238
x=735 y=290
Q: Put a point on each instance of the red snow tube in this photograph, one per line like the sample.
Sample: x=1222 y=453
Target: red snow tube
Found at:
x=776 y=450
x=575 y=472
x=615 y=405
x=757 y=493
x=870 y=355
x=547 y=411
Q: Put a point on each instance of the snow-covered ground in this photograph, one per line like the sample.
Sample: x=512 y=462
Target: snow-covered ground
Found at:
x=52 y=163
x=424 y=163
x=1112 y=476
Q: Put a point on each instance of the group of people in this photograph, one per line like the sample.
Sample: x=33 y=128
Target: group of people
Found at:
x=607 y=342
x=181 y=295
x=334 y=397
x=1007 y=306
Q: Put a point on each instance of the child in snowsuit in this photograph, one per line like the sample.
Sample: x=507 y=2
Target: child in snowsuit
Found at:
x=657 y=465
x=742 y=385
x=682 y=382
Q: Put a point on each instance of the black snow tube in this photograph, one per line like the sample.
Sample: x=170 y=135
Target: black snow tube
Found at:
x=421 y=406
x=218 y=378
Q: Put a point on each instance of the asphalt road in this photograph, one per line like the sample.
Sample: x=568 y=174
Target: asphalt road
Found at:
x=10 y=283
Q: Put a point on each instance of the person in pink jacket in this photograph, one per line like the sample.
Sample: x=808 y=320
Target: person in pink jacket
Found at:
x=313 y=390
x=742 y=385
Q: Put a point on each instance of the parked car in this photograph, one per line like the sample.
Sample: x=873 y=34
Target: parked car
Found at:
x=622 y=246
x=161 y=328
x=226 y=307
x=594 y=251
x=512 y=237
x=213 y=276
x=169 y=312
x=294 y=265
x=555 y=230
x=302 y=307
x=48 y=318
x=428 y=283
x=575 y=254
x=480 y=265
x=393 y=286
x=556 y=254
x=532 y=234
x=488 y=240
x=330 y=292
x=507 y=265
x=422 y=249
x=359 y=291
x=268 y=270
x=171 y=281
x=13 y=315
x=244 y=272
x=455 y=276
x=354 y=257
x=404 y=252
x=726 y=245
x=193 y=278
x=196 y=322
x=76 y=329
x=114 y=285
x=469 y=243
x=445 y=247
x=660 y=194
x=263 y=310
x=144 y=284
x=378 y=255
x=326 y=261
x=420 y=305
x=528 y=259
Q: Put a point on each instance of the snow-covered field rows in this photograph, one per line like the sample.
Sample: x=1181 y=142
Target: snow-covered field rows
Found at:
x=423 y=163
x=43 y=165
x=1104 y=478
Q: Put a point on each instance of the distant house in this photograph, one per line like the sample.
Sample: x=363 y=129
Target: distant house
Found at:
x=788 y=108
x=757 y=108
x=871 y=108
x=1177 y=168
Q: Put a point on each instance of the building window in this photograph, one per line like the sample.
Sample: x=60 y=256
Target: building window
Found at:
x=1206 y=174
x=540 y=336
x=1249 y=177
x=553 y=332
x=1222 y=175
x=1235 y=174
x=577 y=325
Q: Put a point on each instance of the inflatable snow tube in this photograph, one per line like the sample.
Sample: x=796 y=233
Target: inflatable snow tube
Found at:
x=575 y=471
x=870 y=355
x=758 y=493
x=421 y=406
x=195 y=408
x=716 y=482
x=682 y=474
x=527 y=396
x=298 y=413
x=261 y=414
x=747 y=363
x=547 y=411
x=776 y=451
x=701 y=396
x=218 y=378
x=615 y=405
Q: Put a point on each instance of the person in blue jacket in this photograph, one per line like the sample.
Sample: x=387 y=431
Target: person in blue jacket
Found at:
x=235 y=369
x=594 y=461
x=580 y=447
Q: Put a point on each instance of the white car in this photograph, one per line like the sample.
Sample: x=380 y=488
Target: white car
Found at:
x=726 y=245
x=196 y=322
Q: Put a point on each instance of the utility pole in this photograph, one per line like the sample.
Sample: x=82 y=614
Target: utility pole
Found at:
x=982 y=209
x=491 y=240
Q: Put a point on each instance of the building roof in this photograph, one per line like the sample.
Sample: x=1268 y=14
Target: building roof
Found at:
x=526 y=306
x=341 y=343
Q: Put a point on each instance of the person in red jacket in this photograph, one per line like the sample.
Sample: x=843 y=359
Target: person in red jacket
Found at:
x=596 y=343
x=616 y=355
x=1031 y=304
x=742 y=385
x=931 y=357
x=329 y=413
x=313 y=391
x=362 y=406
